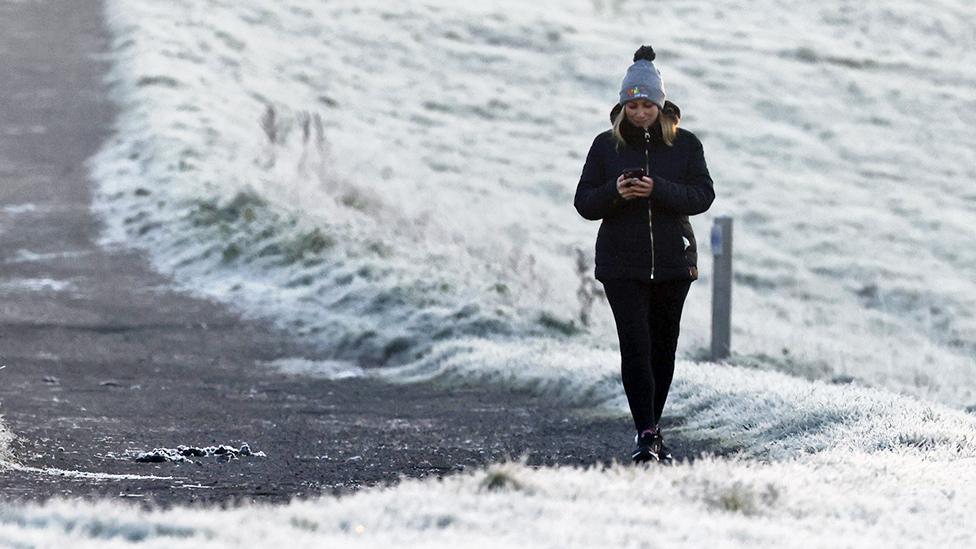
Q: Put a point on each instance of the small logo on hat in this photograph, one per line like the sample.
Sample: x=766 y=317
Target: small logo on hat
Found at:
x=633 y=91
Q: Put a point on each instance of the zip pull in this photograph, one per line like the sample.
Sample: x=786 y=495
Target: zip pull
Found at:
x=647 y=151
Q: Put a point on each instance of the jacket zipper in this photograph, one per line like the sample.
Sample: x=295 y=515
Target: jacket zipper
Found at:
x=650 y=216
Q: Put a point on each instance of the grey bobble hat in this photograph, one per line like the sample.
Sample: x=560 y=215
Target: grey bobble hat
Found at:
x=643 y=80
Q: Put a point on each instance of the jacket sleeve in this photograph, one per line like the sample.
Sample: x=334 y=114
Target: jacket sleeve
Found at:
x=596 y=197
x=691 y=196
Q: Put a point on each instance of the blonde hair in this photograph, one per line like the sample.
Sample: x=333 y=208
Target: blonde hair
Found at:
x=668 y=125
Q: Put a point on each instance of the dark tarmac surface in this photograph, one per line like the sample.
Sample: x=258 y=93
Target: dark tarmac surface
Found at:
x=104 y=358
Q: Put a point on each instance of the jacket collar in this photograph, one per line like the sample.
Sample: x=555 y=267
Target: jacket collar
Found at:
x=634 y=135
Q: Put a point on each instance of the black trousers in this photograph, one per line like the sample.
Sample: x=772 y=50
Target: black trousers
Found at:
x=647 y=315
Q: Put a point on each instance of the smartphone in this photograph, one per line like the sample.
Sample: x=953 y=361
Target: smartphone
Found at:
x=634 y=173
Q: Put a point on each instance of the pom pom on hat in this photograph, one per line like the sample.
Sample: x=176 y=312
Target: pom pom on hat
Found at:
x=646 y=53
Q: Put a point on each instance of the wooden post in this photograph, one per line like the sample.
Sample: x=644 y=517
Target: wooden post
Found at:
x=722 y=288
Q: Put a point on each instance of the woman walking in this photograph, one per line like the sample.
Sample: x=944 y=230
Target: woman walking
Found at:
x=643 y=178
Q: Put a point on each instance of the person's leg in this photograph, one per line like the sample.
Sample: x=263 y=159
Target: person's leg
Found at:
x=664 y=318
x=629 y=302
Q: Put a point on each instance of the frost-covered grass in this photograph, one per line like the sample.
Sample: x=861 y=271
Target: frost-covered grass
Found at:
x=390 y=177
x=5 y=436
x=765 y=415
x=837 y=500
x=5 y=439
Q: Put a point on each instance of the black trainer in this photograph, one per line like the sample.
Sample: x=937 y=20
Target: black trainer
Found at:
x=648 y=448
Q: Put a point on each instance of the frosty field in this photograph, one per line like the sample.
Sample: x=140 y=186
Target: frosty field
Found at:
x=395 y=182
x=348 y=168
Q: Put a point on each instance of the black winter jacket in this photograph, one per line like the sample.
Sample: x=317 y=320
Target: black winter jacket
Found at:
x=642 y=238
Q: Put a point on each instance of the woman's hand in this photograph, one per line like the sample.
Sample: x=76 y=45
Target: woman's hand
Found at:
x=634 y=188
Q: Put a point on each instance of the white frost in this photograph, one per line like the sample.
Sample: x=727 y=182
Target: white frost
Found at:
x=846 y=500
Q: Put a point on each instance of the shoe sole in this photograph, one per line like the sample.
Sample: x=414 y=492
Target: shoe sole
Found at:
x=644 y=457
